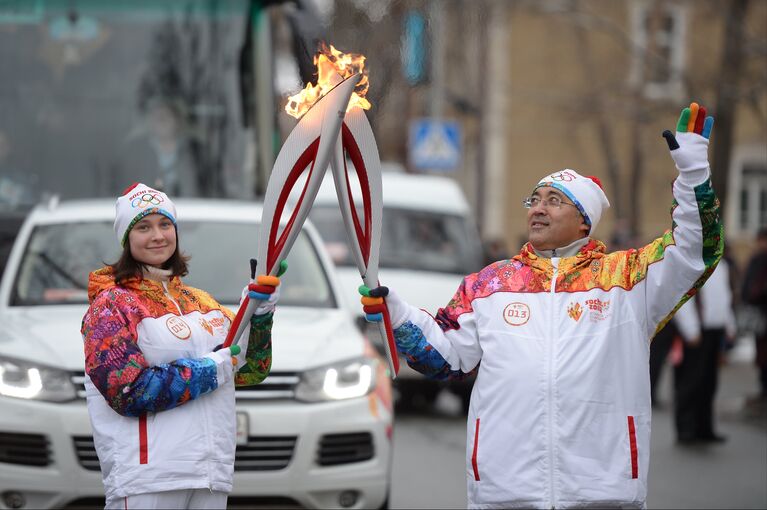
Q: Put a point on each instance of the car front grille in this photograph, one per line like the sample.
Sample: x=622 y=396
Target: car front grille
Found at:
x=265 y=453
x=277 y=386
x=337 y=449
x=260 y=453
x=86 y=453
x=24 y=449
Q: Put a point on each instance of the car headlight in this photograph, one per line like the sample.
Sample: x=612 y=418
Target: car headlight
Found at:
x=28 y=380
x=339 y=381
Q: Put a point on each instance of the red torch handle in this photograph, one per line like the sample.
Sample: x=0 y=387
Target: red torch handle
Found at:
x=388 y=334
x=236 y=323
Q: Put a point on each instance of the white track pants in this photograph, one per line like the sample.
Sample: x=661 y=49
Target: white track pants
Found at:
x=202 y=499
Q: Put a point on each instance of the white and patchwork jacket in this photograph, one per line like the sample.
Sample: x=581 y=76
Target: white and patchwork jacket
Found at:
x=560 y=410
x=161 y=404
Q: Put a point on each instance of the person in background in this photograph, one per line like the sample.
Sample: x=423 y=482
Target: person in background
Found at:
x=559 y=336
x=705 y=322
x=754 y=294
x=659 y=353
x=160 y=390
x=160 y=152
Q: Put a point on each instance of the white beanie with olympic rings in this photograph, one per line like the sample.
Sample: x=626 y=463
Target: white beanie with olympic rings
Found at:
x=137 y=201
x=584 y=191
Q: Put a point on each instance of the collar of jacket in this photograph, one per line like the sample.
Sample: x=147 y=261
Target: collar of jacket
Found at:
x=593 y=249
x=103 y=279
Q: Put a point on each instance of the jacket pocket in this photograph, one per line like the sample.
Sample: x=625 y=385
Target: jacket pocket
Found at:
x=633 y=447
x=474 y=464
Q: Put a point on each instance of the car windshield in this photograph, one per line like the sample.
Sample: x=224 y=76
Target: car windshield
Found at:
x=417 y=240
x=58 y=258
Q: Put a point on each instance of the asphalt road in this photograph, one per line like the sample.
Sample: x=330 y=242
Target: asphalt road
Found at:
x=429 y=470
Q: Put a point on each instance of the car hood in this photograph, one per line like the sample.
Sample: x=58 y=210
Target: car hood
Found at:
x=302 y=338
x=422 y=289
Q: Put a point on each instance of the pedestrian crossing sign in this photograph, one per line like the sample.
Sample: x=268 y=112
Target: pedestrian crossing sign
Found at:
x=435 y=144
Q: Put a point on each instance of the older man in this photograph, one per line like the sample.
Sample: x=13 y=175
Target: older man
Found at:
x=559 y=336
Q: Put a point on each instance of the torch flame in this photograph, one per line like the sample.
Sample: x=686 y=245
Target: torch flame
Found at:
x=332 y=68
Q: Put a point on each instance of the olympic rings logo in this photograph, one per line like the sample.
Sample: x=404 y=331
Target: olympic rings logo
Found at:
x=146 y=200
x=562 y=176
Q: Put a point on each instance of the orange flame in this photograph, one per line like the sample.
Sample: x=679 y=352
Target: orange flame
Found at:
x=332 y=68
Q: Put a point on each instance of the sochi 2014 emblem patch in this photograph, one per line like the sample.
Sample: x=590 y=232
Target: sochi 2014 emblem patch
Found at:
x=598 y=310
x=575 y=311
x=516 y=313
x=178 y=327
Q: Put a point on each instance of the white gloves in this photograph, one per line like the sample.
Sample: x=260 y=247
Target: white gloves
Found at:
x=225 y=363
x=267 y=290
x=373 y=305
x=689 y=148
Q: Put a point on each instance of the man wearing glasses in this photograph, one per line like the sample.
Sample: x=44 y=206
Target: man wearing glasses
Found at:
x=559 y=337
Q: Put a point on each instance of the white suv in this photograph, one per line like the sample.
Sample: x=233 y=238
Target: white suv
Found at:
x=303 y=440
x=429 y=241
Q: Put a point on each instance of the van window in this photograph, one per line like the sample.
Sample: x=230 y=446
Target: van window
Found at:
x=410 y=239
x=59 y=257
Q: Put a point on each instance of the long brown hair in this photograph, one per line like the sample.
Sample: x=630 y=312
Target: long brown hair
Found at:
x=127 y=267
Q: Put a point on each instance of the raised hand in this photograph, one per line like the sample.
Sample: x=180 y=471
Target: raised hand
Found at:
x=689 y=147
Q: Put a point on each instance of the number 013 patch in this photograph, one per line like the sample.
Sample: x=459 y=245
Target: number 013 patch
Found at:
x=516 y=313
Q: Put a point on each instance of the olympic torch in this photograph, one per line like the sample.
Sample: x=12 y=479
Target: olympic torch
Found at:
x=331 y=126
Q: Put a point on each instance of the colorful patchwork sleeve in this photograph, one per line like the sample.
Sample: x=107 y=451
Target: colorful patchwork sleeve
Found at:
x=445 y=346
x=422 y=356
x=678 y=263
x=258 y=360
x=117 y=367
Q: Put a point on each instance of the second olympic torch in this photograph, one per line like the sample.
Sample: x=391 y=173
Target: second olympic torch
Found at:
x=332 y=126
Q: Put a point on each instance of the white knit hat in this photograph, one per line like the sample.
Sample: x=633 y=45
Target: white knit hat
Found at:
x=137 y=201
x=584 y=191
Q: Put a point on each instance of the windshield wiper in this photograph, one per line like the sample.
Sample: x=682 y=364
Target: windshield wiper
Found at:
x=60 y=270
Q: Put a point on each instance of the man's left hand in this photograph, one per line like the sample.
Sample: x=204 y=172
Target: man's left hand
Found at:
x=689 y=147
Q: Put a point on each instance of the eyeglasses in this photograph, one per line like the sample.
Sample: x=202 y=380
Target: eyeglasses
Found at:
x=552 y=201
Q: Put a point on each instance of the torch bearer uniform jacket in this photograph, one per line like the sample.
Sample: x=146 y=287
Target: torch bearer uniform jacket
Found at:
x=161 y=403
x=560 y=410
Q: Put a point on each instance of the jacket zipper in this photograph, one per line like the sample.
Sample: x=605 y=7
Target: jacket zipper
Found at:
x=550 y=380
x=167 y=293
x=202 y=401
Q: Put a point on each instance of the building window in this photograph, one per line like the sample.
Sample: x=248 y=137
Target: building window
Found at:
x=658 y=34
x=752 y=210
x=747 y=197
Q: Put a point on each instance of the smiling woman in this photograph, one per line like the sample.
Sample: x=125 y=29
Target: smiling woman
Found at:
x=152 y=345
x=153 y=240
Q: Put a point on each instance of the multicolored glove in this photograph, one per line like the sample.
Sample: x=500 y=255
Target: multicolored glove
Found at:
x=689 y=147
x=267 y=290
x=373 y=305
x=225 y=359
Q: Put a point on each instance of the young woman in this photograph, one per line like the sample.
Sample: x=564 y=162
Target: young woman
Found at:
x=160 y=390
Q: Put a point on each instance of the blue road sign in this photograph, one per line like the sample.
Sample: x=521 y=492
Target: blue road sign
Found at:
x=435 y=144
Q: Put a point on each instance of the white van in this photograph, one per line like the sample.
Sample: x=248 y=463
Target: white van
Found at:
x=429 y=241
